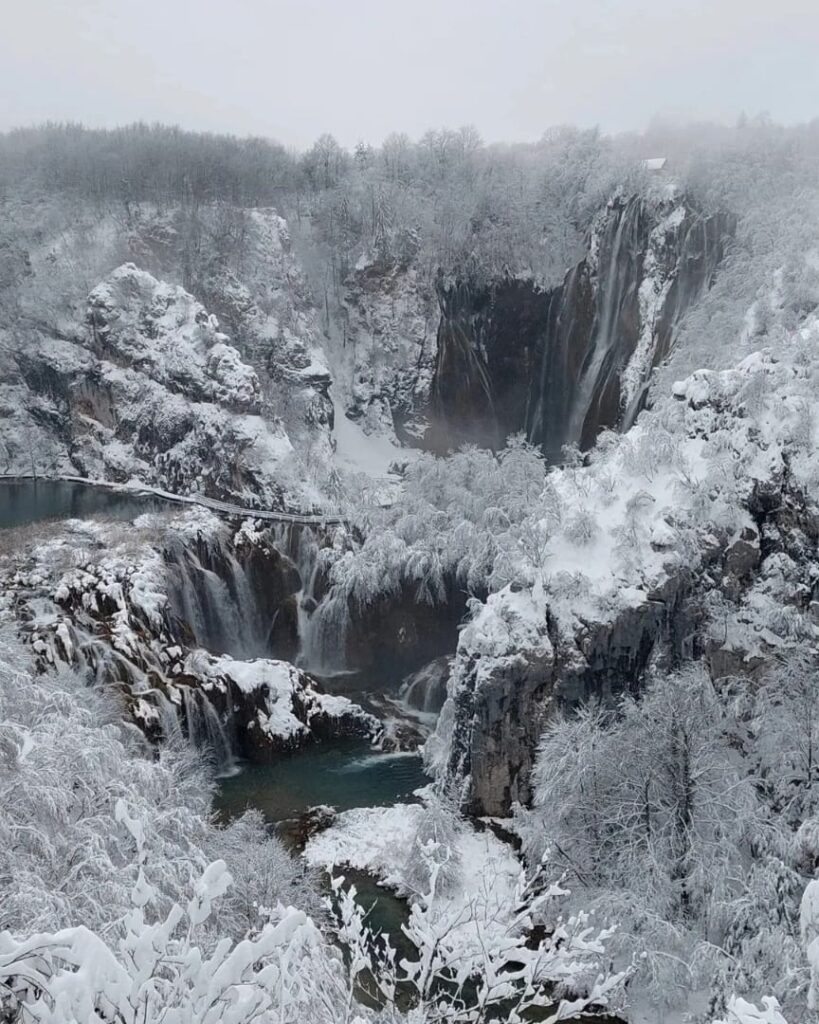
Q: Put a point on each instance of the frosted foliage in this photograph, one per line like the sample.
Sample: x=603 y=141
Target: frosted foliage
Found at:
x=287 y=971
x=657 y=811
x=94 y=830
x=560 y=976
x=742 y=1012
x=463 y=519
x=80 y=789
x=184 y=921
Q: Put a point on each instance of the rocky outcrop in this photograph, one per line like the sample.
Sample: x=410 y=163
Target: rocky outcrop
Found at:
x=150 y=391
x=254 y=282
x=387 y=327
x=178 y=622
x=712 y=554
x=501 y=704
x=563 y=364
x=140 y=381
x=265 y=707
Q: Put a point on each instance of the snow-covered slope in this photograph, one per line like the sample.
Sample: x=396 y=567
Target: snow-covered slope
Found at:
x=713 y=498
x=148 y=390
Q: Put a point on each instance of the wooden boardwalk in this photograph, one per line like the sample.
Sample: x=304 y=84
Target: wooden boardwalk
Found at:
x=270 y=515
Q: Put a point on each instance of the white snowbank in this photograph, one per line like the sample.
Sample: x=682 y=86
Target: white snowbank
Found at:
x=480 y=904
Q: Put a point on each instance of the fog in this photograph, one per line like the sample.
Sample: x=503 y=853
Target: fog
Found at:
x=292 y=69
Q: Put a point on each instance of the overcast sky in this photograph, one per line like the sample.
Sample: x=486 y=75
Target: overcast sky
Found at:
x=291 y=69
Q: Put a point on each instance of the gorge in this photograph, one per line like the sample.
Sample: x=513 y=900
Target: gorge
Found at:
x=424 y=521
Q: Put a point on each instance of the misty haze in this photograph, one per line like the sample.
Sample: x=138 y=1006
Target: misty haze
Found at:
x=409 y=512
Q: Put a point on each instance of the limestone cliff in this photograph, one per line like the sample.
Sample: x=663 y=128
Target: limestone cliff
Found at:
x=564 y=363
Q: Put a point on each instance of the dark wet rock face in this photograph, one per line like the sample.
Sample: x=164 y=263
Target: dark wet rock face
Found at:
x=394 y=637
x=247 y=714
x=488 y=349
x=563 y=364
x=500 y=716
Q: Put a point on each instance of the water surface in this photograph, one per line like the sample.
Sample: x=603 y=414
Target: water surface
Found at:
x=344 y=775
x=31 y=501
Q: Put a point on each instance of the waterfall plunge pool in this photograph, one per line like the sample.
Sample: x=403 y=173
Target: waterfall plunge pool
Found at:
x=344 y=775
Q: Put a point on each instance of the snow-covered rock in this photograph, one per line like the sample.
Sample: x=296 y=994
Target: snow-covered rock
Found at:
x=272 y=705
x=707 y=508
x=152 y=392
x=161 y=330
x=388 y=350
x=479 y=901
x=104 y=597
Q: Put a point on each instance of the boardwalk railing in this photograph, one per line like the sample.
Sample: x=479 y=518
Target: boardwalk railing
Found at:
x=271 y=515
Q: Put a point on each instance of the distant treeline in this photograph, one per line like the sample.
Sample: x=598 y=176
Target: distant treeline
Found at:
x=447 y=200
x=144 y=162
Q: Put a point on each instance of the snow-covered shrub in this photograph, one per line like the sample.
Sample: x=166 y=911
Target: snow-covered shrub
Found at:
x=156 y=971
x=462 y=519
x=581 y=527
x=434 y=844
x=65 y=762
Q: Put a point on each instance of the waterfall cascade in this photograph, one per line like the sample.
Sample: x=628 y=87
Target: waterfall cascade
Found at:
x=323 y=619
x=562 y=364
x=617 y=286
x=426 y=689
x=207 y=732
x=219 y=606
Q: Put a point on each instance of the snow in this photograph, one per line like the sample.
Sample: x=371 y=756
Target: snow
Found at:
x=653 y=292
x=481 y=903
x=163 y=330
x=371 y=454
x=740 y=1011
x=508 y=629
x=290 y=699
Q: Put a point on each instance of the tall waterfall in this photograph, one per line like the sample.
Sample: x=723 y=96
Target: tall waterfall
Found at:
x=565 y=362
x=616 y=288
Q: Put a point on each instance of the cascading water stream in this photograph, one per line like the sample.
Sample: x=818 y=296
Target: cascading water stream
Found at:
x=322 y=624
x=221 y=610
x=425 y=691
x=207 y=732
x=613 y=289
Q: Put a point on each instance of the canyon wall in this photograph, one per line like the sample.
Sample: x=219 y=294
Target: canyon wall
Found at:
x=562 y=364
